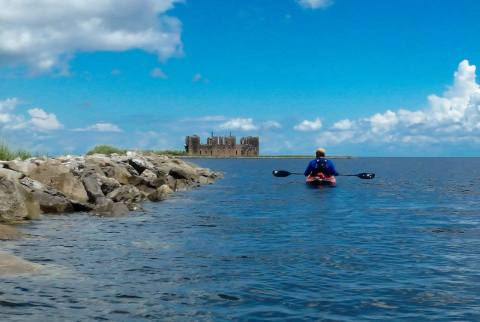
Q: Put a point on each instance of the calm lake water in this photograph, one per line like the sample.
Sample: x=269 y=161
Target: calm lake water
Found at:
x=404 y=246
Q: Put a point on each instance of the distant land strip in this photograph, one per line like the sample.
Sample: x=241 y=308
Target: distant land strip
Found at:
x=262 y=157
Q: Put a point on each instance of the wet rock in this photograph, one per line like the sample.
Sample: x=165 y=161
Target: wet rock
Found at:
x=181 y=185
x=13 y=265
x=12 y=201
x=161 y=193
x=9 y=233
x=127 y=193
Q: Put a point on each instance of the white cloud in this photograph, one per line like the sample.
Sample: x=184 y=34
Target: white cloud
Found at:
x=100 y=127
x=315 y=4
x=243 y=124
x=452 y=117
x=45 y=33
x=308 y=126
x=271 y=125
x=343 y=125
x=158 y=73
x=39 y=119
x=6 y=108
x=44 y=121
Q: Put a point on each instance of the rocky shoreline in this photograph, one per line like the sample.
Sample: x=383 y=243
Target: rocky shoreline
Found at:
x=105 y=185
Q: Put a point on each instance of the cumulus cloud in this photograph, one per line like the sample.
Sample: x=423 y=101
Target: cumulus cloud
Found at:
x=100 y=127
x=242 y=124
x=45 y=33
x=158 y=73
x=42 y=120
x=309 y=126
x=452 y=117
x=39 y=119
x=315 y=4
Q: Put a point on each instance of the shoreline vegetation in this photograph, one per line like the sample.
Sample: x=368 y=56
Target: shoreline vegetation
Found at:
x=8 y=154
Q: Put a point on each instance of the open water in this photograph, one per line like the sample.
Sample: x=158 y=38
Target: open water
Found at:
x=404 y=246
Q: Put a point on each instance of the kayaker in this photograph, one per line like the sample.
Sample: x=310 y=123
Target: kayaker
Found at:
x=321 y=165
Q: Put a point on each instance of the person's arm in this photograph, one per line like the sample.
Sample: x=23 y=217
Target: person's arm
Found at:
x=331 y=168
x=308 y=170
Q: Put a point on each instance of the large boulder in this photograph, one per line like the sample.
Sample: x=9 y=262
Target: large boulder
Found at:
x=51 y=200
x=127 y=194
x=93 y=187
x=151 y=179
x=183 y=172
x=140 y=164
x=119 y=173
x=10 y=174
x=108 y=208
x=52 y=173
x=161 y=193
x=25 y=167
x=13 y=205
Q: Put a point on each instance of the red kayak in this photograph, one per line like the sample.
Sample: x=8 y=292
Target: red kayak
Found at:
x=321 y=180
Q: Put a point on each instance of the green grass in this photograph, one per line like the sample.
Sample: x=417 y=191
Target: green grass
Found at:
x=106 y=149
x=169 y=152
x=7 y=154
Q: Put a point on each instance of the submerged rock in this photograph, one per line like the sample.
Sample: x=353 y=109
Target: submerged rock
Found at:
x=13 y=265
x=9 y=233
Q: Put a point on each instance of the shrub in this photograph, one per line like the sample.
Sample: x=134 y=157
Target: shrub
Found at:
x=106 y=149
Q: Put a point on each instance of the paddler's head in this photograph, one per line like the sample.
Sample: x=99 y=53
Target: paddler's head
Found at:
x=320 y=153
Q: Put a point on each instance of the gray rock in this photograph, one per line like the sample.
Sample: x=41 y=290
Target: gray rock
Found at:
x=12 y=201
x=140 y=164
x=126 y=193
x=162 y=193
x=93 y=187
x=52 y=173
x=49 y=199
x=10 y=174
x=25 y=167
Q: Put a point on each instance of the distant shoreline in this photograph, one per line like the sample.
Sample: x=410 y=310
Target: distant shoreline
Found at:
x=261 y=157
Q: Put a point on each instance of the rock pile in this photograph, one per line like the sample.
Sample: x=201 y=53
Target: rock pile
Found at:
x=104 y=185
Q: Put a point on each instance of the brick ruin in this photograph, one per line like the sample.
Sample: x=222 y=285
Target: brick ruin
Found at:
x=223 y=146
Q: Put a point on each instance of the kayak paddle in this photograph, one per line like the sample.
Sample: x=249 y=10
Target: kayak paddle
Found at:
x=360 y=175
x=283 y=173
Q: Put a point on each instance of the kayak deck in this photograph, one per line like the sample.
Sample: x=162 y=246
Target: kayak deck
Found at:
x=321 y=180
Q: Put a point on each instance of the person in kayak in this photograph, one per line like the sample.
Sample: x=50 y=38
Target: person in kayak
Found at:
x=320 y=165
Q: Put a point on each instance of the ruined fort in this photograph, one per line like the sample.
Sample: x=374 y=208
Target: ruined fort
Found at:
x=223 y=146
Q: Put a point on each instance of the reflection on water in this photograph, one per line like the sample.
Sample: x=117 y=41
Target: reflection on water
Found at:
x=403 y=246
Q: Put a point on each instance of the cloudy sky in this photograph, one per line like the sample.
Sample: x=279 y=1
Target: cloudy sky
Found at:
x=371 y=78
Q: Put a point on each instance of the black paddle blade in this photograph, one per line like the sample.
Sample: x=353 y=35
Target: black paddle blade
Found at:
x=366 y=175
x=280 y=173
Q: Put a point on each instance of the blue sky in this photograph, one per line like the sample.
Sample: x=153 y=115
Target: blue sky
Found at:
x=356 y=77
